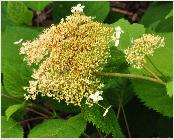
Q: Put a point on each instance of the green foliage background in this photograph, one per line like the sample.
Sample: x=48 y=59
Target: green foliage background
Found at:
x=148 y=106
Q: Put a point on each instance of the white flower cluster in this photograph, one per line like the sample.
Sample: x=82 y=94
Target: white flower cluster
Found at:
x=77 y=9
x=117 y=34
x=96 y=98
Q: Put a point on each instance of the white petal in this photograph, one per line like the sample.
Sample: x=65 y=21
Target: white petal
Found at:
x=18 y=42
x=106 y=111
x=116 y=43
x=100 y=98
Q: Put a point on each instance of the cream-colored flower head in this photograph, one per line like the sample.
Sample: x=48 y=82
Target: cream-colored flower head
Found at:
x=141 y=47
x=68 y=55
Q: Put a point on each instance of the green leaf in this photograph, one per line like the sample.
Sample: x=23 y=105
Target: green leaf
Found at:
x=154 y=96
x=165 y=25
x=169 y=87
x=36 y=5
x=10 y=129
x=59 y=128
x=98 y=9
x=12 y=109
x=169 y=14
x=157 y=8
x=19 y=13
x=131 y=31
x=16 y=73
x=107 y=124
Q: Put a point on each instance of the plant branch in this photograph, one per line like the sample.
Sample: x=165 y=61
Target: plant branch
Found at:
x=27 y=120
x=125 y=119
x=134 y=76
x=39 y=113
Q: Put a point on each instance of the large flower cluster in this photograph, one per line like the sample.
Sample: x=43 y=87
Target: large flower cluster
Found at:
x=142 y=47
x=68 y=55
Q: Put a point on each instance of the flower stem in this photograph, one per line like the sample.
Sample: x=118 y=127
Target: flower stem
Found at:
x=39 y=113
x=125 y=119
x=134 y=76
x=118 y=112
x=152 y=73
x=155 y=66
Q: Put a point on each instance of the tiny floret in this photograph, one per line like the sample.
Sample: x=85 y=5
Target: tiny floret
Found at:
x=116 y=35
x=96 y=97
x=77 y=9
x=18 y=42
x=142 y=47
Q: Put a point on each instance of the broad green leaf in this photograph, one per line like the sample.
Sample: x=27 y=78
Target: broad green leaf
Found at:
x=19 y=13
x=155 y=13
x=169 y=87
x=98 y=9
x=12 y=109
x=131 y=31
x=16 y=73
x=154 y=96
x=10 y=128
x=36 y=5
x=107 y=124
x=59 y=128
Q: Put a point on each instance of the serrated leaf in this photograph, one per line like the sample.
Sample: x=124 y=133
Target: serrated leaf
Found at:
x=131 y=31
x=107 y=124
x=157 y=8
x=16 y=73
x=154 y=96
x=98 y=9
x=10 y=129
x=59 y=128
x=36 y=5
x=19 y=13
x=12 y=109
x=169 y=87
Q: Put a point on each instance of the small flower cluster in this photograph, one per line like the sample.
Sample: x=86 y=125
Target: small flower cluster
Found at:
x=67 y=56
x=141 y=47
x=116 y=35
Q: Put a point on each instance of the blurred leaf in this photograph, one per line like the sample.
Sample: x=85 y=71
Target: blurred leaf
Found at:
x=154 y=96
x=131 y=31
x=16 y=73
x=12 y=109
x=10 y=129
x=98 y=9
x=169 y=14
x=113 y=17
x=36 y=5
x=58 y=128
x=107 y=124
x=157 y=8
x=169 y=87
x=19 y=13
x=165 y=25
